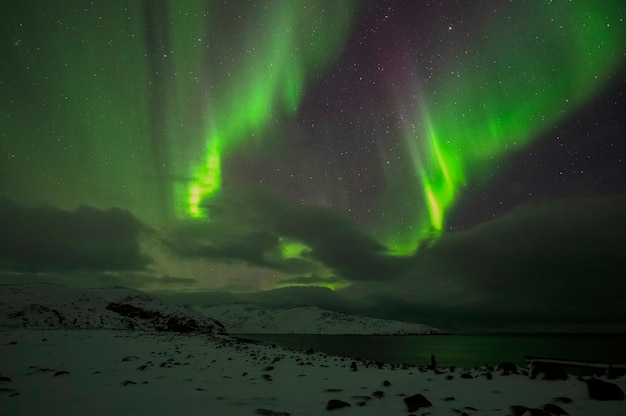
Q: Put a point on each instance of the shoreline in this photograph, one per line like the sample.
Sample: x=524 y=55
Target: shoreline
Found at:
x=123 y=372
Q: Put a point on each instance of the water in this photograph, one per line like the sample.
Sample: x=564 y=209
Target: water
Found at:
x=460 y=350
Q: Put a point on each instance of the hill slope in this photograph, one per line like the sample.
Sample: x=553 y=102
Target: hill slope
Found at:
x=54 y=306
x=253 y=319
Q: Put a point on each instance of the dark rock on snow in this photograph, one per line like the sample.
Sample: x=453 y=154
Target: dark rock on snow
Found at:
x=336 y=404
x=269 y=412
x=506 y=368
x=523 y=410
x=549 y=371
x=416 y=401
x=603 y=390
x=554 y=409
x=378 y=393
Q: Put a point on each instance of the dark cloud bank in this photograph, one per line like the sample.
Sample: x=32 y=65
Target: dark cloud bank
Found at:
x=247 y=226
x=557 y=265
x=47 y=239
x=552 y=264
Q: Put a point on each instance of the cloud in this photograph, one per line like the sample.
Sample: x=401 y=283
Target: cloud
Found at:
x=559 y=260
x=277 y=298
x=311 y=280
x=558 y=245
x=45 y=238
x=250 y=225
x=92 y=279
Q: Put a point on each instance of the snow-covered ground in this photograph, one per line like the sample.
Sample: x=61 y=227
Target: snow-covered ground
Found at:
x=253 y=319
x=109 y=372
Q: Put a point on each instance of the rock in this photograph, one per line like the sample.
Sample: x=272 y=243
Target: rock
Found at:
x=269 y=412
x=517 y=410
x=549 y=371
x=61 y=373
x=467 y=375
x=603 y=390
x=353 y=366
x=378 y=393
x=554 y=409
x=5 y=378
x=433 y=363
x=386 y=383
x=416 y=401
x=336 y=404
x=506 y=368
x=613 y=373
x=127 y=382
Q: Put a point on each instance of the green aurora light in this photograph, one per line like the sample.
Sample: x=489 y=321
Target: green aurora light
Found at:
x=286 y=44
x=139 y=106
x=519 y=79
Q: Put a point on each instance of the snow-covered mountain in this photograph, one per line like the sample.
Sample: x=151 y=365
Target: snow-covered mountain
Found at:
x=54 y=306
x=253 y=319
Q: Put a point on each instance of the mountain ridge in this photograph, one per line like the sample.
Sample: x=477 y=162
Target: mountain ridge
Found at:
x=242 y=318
x=43 y=305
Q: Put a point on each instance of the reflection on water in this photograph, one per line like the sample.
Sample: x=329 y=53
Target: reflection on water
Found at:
x=460 y=350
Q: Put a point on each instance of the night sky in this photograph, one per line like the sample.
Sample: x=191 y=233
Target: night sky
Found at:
x=456 y=163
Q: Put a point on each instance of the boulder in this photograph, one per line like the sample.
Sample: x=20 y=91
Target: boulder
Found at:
x=603 y=390
x=517 y=410
x=554 y=409
x=416 y=401
x=549 y=371
x=506 y=368
x=269 y=412
x=336 y=404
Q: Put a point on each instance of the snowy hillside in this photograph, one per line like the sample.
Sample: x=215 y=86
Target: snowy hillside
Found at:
x=53 y=306
x=253 y=319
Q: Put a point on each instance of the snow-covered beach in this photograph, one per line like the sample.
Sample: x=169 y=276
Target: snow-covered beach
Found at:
x=104 y=372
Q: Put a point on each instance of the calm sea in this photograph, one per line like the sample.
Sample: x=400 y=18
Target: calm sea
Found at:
x=460 y=350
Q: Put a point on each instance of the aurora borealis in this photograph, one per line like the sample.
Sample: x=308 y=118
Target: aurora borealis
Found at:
x=416 y=158
x=292 y=42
